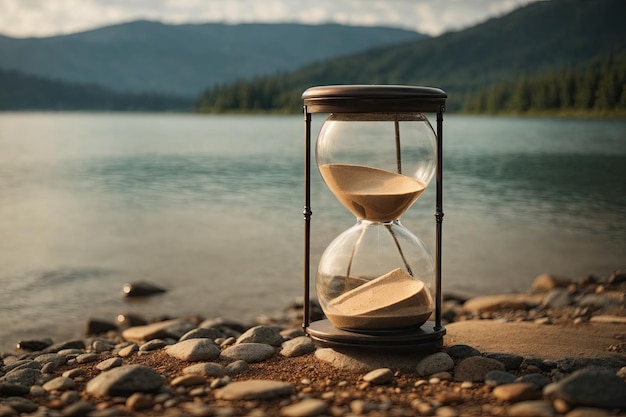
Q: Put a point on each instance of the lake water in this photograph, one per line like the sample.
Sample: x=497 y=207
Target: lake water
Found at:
x=210 y=207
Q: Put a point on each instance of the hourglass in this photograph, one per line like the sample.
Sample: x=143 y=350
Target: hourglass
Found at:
x=377 y=283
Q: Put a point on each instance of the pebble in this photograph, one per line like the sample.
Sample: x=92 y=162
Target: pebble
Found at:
x=589 y=387
x=188 y=380
x=248 y=352
x=139 y=401
x=110 y=363
x=128 y=350
x=125 y=380
x=237 y=367
x=516 y=392
x=495 y=378
x=87 y=357
x=193 y=350
x=437 y=362
x=475 y=368
x=535 y=408
x=538 y=380
x=510 y=361
x=60 y=383
x=174 y=329
x=26 y=377
x=151 y=345
x=206 y=369
x=262 y=334
x=255 y=389
x=306 y=408
x=201 y=333
x=297 y=346
x=379 y=376
x=462 y=351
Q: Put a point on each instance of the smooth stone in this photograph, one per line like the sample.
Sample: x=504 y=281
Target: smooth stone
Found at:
x=193 y=350
x=557 y=298
x=298 y=346
x=188 y=380
x=538 y=380
x=110 y=363
x=501 y=302
x=26 y=377
x=495 y=378
x=139 y=401
x=379 y=376
x=255 y=389
x=237 y=367
x=262 y=334
x=87 y=358
x=128 y=350
x=161 y=330
x=74 y=373
x=141 y=289
x=69 y=344
x=475 y=368
x=125 y=380
x=531 y=409
x=33 y=345
x=309 y=407
x=545 y=282
x=97 y=326
x=8 y=389
x=207 y=369
x=589 y=387
x=588 y=412
x=22 y=364
x=60 y=383
x=248 y=352
x=510 y=361
x=201 y=333
x=365 y=361
x=432 y=364
x=462 y=351
x=154 y=344
x=19 y=404
x=55 y=358
x=516 y=392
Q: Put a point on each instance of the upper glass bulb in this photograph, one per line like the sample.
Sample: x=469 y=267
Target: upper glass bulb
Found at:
x=377 y=164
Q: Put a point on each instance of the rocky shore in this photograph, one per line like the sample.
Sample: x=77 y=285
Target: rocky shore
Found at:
x=557 y=350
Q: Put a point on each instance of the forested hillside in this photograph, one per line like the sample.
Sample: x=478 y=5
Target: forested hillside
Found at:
x=22 y=92
x=568 y=36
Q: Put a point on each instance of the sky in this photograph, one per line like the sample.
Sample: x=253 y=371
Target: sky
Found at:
x=42 y=18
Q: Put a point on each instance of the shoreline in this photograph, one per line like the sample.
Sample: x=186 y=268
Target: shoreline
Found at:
x=503 y=355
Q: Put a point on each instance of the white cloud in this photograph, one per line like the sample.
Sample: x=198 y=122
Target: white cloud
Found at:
x=22 y=18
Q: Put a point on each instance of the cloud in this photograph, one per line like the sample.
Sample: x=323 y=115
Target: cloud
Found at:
x=24 y=18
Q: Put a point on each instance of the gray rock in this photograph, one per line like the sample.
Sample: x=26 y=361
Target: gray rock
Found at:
x=475 y=368
x=8 y=389
x=531 y=408
x=22 y=364
x=108 y=364
x=19 y=404
x=69 y=344
x=538 y=380
x=462 y=352
x=569 y=365
x=55 y=358
x=305 y=408
x=248 y=352
x=154 y=344
x=161 y=330
x=379 y=376
x=33 y=345
x=201 y=333
x=495 y=378
x=125 y=381
x=557 y=298
x=211 y=369
x=78 y=409
x=87 y=358
x=254 y=390
x=26 y=377
x=298 y=346
x=437 y=362
x=510 y=361
x=262 y=334
x=590 y=387
x=237 y=367
x=193 y=350
x=60 y=383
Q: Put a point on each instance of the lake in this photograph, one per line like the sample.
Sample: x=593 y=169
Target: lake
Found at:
x=210 y=207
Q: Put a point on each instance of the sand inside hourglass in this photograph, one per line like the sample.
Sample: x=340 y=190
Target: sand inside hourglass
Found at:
x=371 y=193
x=393 y=300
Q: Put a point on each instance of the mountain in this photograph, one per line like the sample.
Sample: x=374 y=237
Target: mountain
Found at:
x=542 y=36
x=146 y=56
